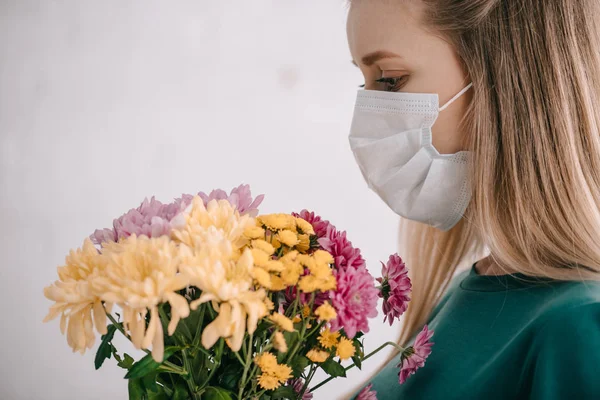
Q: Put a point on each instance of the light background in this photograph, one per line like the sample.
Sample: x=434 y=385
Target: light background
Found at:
x=105 y=102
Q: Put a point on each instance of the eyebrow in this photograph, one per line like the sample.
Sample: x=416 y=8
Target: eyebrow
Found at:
x=375 y=56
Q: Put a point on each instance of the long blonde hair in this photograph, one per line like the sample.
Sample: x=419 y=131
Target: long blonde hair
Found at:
x=534 y=129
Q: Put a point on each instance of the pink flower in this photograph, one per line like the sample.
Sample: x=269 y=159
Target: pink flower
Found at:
x=344 y=254
x=318 y=225
x=240 y=197
x=395 y=288
x=354 y=300
x=152 y=218
x=367 y=393
x=414 y=356
x=297 y=384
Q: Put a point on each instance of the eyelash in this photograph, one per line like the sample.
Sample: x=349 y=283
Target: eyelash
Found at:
x=396 y=83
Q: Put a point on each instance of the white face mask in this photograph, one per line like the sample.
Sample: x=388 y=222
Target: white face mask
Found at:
x=391 y=141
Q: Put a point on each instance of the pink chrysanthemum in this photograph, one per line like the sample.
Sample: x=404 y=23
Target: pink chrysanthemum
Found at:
x=367 y=393
x=240 y=197
x=354 y=300
x=395 y=288
x=344 y=254
x=153 y=218
x=414 y=356
x=320 y=226
x=297 y=384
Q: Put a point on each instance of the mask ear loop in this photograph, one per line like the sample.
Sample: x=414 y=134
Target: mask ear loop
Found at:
x=452 y=100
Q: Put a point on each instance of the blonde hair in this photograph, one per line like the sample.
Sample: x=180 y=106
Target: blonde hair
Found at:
x=534 y=129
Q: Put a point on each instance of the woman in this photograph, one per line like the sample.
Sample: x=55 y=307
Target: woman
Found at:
x=507 y=165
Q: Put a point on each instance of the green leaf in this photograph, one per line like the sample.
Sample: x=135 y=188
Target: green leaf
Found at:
x=230 y=376
x=284 y=392
x=215 y=393
x=299 y=364
x=358 y=354
x=181 y=392
x=149 y=382
x=333 y=368
x=127 y=361
x=136 y=389
x=105 y=348
x=147 y=364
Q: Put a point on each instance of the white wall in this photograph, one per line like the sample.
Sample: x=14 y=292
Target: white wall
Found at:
x=105 y=102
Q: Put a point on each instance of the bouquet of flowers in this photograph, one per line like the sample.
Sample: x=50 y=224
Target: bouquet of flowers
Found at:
x=226 y=303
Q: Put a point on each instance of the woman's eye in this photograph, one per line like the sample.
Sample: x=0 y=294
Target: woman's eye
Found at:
x=393 y=84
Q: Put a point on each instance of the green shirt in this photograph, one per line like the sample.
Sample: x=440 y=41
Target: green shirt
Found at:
x=507 y=337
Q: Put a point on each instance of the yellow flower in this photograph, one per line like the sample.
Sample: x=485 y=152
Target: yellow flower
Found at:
x=268 y=382
x=291 y=273
x=296 y=319
x=74 y=298
x=259 y=257
x=277 y=283
x=274 y=265
x=264 y=246
x=262 y=277
x=326 y=312
x=303 y=243
x=254 y=232
x=322 y=257
x=328 y=339
x=282 y=322
x=282 y=373
x=216 y=261
x=267 y=362
x=305 y=311
x=288 y=238
x=269 y=304
x=198 y=226
x=317 y=355
x=140 y=274
x=305 y=226
x=345 y=349
x=276 y=222
x=308 y=284
x=279 y=342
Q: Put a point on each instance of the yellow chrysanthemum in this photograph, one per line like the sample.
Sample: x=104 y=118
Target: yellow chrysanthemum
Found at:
x=268 y=382
x=264 y=246
x=269 y=304
x=323 y=258
x=306 y=311
x=305 y=226
x=303 y=243
x=276 y=222
x=291 y=273
x=262 y=277
x=296 y=319
x=267 y=362
x=74 y=298
x=274 y=266
x=282 y=372
x=218 y=264
x=328 y=339
x=254 y=232
x=140 y=274
x=288 y=238
x=317 y=355
x=277 y=283
x=260 y=257
x=325 y=312
x=345 y=349
x=279 y=342
x=282 y=322
x=198 y=224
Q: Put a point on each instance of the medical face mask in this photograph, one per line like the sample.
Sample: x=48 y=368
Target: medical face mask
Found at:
x=391 y=141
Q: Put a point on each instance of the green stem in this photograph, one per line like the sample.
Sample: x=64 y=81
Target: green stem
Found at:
x=217 y=363
x=247 y=365
x=377 y=350
x=189 y=379
x=307 y=380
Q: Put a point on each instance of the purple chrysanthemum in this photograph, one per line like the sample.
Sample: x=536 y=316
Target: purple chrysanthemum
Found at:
x=366 y=393
x=414 y=356
x=395 y=288
x=297 y=384
x=354 y=300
